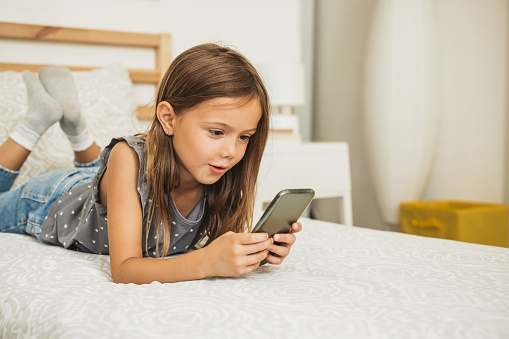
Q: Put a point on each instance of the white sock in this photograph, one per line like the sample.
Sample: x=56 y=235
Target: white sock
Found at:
x=59 y=83
x=43 y=111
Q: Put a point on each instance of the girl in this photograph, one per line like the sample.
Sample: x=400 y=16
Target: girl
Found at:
x=190 y=177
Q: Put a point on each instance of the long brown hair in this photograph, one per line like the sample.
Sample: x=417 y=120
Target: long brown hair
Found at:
x=199 y=74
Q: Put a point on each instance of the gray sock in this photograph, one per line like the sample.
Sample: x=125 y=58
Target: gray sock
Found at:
x=43 y=111
x=59 y=83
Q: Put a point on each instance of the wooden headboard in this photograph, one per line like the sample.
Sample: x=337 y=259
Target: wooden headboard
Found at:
x=160 y=43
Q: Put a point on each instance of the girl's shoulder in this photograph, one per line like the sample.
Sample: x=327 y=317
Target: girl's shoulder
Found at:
x=125 y=156
x=134 y=142
x=123 y=160
x=123 y=150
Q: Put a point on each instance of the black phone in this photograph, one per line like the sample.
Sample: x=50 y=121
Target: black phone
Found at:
x=285 y=209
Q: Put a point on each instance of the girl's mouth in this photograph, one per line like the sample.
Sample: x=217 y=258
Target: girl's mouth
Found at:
x=217 y=169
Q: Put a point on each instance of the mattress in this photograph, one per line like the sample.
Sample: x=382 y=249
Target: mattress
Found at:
x=338 y=282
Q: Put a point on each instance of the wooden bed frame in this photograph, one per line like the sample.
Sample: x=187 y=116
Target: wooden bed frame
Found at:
x=160 y=43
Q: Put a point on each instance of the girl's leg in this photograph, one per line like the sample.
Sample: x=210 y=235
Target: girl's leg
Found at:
x=87 y=156
x=43 y=111
x=59 y=83
x=12 y=155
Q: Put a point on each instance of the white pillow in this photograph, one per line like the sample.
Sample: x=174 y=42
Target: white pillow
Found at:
x=106 y=100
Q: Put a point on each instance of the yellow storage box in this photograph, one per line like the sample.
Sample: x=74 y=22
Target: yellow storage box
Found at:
x=478 y=223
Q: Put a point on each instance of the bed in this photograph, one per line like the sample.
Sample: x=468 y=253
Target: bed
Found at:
x=338 y=282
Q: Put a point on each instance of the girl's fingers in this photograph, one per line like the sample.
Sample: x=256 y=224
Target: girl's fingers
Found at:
x=257 y=247
x=274 y=259
x=285 y=239
x=256 y=258
x=296 y=227
x=279 y=250
x=251 y=238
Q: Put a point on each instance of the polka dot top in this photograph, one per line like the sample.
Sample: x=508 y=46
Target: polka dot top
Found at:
x=78 y=221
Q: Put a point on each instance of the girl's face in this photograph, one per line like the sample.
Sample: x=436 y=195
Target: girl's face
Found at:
x=212 y=137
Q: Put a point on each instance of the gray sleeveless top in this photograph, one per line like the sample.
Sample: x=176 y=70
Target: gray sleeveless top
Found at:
x=78 y=221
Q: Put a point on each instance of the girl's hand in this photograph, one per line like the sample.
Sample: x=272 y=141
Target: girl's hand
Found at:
x=282 y=244
x=234 y=254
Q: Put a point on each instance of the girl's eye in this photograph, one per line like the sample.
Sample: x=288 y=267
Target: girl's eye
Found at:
x=245 y=137
x=216 y=132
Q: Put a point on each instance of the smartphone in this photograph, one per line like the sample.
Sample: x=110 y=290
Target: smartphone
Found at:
x=285 y=209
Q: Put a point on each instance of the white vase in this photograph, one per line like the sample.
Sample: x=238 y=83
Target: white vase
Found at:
x=400 y=101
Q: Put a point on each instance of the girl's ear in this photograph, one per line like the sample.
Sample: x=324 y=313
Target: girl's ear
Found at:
x=166 y=116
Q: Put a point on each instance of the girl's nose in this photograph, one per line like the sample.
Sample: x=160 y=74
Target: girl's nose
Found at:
x=228 y=149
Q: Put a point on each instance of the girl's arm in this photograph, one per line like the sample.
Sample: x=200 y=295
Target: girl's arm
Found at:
x=229 y=255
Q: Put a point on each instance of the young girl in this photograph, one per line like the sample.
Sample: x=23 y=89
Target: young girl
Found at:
x=190 y=177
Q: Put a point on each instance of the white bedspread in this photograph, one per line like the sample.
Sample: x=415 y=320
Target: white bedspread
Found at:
x=341 y=282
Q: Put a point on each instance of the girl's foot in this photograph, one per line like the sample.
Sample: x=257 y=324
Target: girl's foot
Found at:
x=43 y=111
x=59 y=83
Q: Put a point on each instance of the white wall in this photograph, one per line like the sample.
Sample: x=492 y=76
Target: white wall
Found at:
x=470 y=159
x=305 y=113
x=264 y=30
x=341 y=32
x=472 y=145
